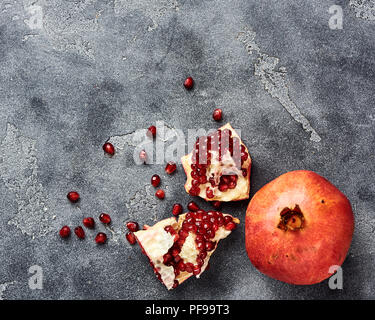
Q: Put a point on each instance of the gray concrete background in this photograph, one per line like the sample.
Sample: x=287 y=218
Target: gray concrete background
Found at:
x=74 y=73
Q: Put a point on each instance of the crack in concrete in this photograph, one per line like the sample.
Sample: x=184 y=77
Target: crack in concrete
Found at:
x=274 y=80
x=19 y=171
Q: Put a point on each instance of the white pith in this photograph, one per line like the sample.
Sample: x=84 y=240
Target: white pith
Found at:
x=227 y=166
x=156 y=242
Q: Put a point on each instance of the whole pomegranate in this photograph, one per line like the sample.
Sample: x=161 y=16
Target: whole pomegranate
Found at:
x=297 y=227
x=218 y=169
x=180 y=249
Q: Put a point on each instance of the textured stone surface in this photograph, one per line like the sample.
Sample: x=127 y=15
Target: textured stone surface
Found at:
x=76 y=73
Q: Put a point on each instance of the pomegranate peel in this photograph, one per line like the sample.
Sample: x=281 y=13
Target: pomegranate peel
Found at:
x=173 y=251
x=224 y=179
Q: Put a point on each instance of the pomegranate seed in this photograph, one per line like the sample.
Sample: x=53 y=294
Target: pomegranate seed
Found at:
x=101 y=238
x=192 y=206
x=189 y=83
x=175 y=284
x=80 y=233
x=210 y=245
x=170 y=167
x=244 y=172
x=151 y=131
x=89 y=222
x=160 y=194
x=216 y=204
x=64 y=232
x=132 y=226
x=218 y=114
x=131 y=238
x=167 y=258
x=200 y=261
x=105 y=218
x=155 y=180
x=143 y=156
x=109 y=148
x=181 y=266
x=227 y=219
x=202 y=254
x=230 y=226
x=201 y=246
x=73 y=196
x=194 y=191
x=177 y=209
x=196 y=270
x=223 y=187
x=209 y=193
x=189 y=267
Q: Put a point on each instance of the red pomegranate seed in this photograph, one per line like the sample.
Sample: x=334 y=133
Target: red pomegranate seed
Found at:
x=210 y=245
x=227 y=219
x=223 y=187
x=101 y=238
x=131 y=238
x=160 y=194
x=209 y=193
x=189 y=83
x=167 y=258
x=132 y=226
x=170 y=167
x=175 y=284
x=202 y=254
x=192 y=206
x=73 y=196
x=216 y=204
x=80 y=233
x=218 y=114
x=189 y=267
x=64 y=232
x=109 y=148
x=155 y=180
x=177 y=209
x=105 y=218
x=89 y=222
x=230 y=226
x=196 y=270
x=143 y=156
x=151 y=131
x=244 y=172
x=181 y=266
x=194 y=191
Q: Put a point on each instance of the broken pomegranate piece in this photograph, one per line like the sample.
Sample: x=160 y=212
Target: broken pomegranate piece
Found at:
x=218 y=169
x=179 y=249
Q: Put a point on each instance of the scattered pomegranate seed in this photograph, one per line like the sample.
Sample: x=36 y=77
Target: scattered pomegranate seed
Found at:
x=170 y=167
x=177 y=209
x=155 y=180
x=64 y=232
x=80 y=233
x=192 y=206
x=73 y=196
x=109 y=148
x=151 y=132
x=143 y=156
x=216 y=204
x=189 y=83
x=160 y=194
x=230 y=226
x=105 y=218
x=131 y=238
x=132 y=226
x=89 y=222
x=101 y=238
x=217 y=114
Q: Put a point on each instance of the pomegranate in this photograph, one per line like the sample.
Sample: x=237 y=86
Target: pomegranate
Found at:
x=155 y=180
x=109 y=148
x=151 y=132
x=131 y=238
x=89 y=222
x=101 y=238
x=297 y=227
x=179 y=249
x=218 y=169
x=177 y=209
x=80 y=233
x=132 y=226
x=105 y=218
x=64 y=232
x=170 y=167
x=189 y=83
x=160 y=194
x=217 y=114
x=73 y=196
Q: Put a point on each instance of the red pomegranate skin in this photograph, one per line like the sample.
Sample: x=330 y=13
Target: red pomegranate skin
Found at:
x=301 y=256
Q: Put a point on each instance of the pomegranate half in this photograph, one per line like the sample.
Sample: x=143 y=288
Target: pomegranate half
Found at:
x=218 y=169
x=180 y=249
x=297 y=227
